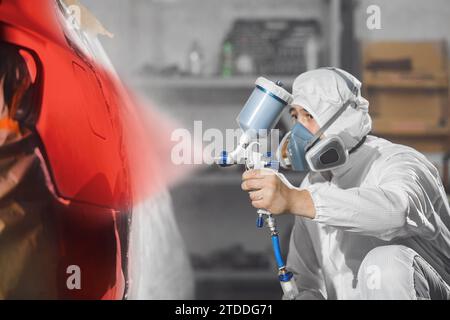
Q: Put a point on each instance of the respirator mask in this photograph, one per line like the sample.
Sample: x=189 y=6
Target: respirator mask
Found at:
x=300 y=150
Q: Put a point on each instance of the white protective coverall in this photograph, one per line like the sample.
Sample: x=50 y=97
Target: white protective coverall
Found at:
x=382 y=221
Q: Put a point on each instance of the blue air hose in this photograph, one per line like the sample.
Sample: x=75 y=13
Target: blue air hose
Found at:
x=277 y=251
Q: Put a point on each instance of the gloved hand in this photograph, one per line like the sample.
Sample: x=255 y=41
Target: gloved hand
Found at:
x=271 y=191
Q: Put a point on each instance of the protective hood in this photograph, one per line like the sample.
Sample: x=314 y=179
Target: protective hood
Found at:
x=321 y=92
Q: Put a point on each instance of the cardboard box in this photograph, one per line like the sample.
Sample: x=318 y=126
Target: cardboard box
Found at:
x=417 y=59
x=406 y=84
x=417 y=111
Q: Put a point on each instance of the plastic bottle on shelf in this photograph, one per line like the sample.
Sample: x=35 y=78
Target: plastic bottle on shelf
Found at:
x=195 y=60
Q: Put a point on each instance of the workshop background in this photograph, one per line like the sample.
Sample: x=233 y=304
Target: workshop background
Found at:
x=198 y=60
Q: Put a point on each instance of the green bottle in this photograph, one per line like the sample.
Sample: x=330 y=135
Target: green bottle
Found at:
x=227 y=62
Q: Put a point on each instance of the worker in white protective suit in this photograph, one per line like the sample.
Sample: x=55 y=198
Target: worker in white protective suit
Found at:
x=372 y=217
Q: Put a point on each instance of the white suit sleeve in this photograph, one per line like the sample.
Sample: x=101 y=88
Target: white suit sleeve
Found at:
x=402 y=200
x=303 y=263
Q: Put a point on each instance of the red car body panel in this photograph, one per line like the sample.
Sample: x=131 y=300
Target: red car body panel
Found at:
x=79 y=128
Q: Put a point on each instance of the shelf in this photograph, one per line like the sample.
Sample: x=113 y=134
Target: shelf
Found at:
x=235 y=275
x=237 y=285
x=204 y=82
x=399 y=81
x=228 y=177
x=409 y=133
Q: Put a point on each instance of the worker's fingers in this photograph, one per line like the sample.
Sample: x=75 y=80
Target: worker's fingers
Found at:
x=258 y=174
x=256 y=195
x=252 y=184
x=260 y=204
x=252 y=174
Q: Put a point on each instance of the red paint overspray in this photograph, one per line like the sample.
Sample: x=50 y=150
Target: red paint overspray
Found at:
x=147 y=138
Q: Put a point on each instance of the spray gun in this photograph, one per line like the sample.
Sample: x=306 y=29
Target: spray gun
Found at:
x=261 y=113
